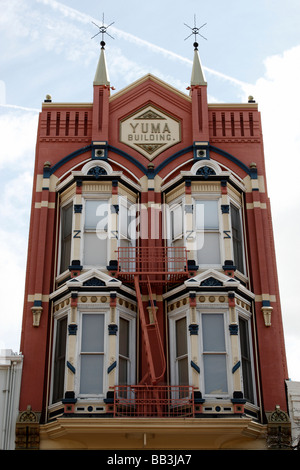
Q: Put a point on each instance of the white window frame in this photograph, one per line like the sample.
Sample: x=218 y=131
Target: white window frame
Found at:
x=62 y=314
x=227 y=353
x=173 y=317
x=132 y=363
x=219 y=231
x=240 y=210
x=247 y=317
x=84 y=230
x=105 y=313
x=61 y=208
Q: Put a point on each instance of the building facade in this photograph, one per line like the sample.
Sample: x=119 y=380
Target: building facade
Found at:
x=152 y=313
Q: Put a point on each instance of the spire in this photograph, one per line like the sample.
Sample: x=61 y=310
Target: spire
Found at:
x=197 y=77
x=101 y=75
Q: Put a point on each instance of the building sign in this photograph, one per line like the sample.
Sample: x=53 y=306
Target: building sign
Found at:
x=150 y=132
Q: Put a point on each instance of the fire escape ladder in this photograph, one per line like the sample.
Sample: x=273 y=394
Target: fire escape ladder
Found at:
x=151 y=336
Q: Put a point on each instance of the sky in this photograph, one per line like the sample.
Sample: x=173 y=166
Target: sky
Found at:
x=247 y=48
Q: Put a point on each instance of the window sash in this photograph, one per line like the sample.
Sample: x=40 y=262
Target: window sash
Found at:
x=92 y=354
x=59 y=359
x=176 y=217
x=206 y=224
x=66 y=237
x=181 y=360
x=237 y=238
x=95 y=232
x=214 y=354
x=246 y=359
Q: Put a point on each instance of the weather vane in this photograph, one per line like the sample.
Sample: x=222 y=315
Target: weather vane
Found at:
x=102 y=30
x=195 y=31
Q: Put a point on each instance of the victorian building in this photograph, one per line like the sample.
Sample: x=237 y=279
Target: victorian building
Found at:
x=152 y=314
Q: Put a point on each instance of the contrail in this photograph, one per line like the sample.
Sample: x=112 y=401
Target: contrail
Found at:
x=23 y=108
x=84 y=18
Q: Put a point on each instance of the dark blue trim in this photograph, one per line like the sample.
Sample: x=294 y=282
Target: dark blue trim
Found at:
x=50 y=171
x=236 y=366
x=194 y=366
x=72 y=368
x=128 y=157
x=252 y=172
x=173 y=157
x=111 y=367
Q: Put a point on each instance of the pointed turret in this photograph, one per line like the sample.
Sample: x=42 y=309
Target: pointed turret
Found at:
x=102 y=87
x=101 y=75
x=197 y=77
x=198 y=93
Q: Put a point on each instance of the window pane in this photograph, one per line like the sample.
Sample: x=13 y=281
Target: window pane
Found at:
x=213 y=332
x=59 y=359
x=95 y=250
x=181 y=337
x=92 y=333
x=124 y=337
x=183 y=374
x=215 y=374
x=207 y=215
x=177 y=221
x=237 y=238
x=96 y=214
x=208 y=248
x=66 y=237
x=91 y=374
x=123 y=372
x=246 y=360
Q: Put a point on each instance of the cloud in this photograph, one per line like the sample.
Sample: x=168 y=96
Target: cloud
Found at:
x=279 y=102
x=82 y=17
x=18 y=136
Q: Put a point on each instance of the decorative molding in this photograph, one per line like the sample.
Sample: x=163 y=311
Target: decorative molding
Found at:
x=267 y=313
x=36 y=313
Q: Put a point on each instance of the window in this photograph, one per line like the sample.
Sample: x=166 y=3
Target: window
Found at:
x=59 y=359
x=124 y=360
x=181 y=352
x=207 y=232
x=176 y=214
x=237 y=238
x=92 y=354
x=66 y=237
x=214 y=354
x=246 y=359
x=95 y=232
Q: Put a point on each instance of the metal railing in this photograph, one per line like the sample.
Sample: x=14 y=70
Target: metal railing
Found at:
x=163 y=263
x=154 y=401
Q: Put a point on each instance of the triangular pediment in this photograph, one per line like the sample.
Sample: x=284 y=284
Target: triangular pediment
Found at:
x=93 y=278
x=149 y=80
x=212 y=278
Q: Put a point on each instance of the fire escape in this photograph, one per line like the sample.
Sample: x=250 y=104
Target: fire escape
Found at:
x=145 y=267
